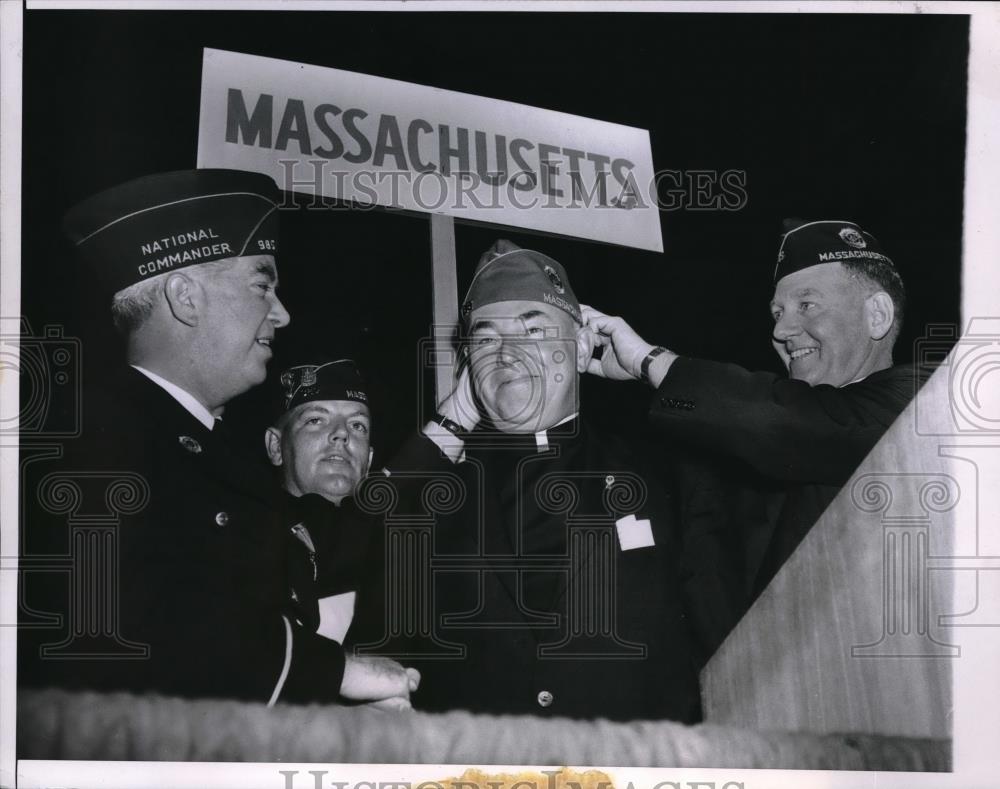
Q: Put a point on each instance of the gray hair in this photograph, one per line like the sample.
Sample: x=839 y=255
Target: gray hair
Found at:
x=132 y=306
x=875 y=275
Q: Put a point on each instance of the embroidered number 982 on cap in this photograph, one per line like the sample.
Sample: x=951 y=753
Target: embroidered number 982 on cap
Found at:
x=164 y=222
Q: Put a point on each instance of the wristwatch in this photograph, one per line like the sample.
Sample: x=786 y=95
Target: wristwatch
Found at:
x=644 y=369
x=451 y=426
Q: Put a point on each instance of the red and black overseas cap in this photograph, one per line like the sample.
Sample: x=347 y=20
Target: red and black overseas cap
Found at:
x=808 y=244
x=324 y=380
x=163 y=222
x=506 y=272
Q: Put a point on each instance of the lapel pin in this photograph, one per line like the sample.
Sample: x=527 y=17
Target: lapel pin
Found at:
x=189 y=444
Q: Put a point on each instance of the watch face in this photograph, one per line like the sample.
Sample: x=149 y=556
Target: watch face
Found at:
x=447 y=424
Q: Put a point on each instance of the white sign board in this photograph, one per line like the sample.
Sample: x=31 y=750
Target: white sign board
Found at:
x=375 y=141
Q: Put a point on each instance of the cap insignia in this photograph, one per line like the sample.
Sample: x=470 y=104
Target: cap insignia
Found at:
x=852 y=238
x=557 y=283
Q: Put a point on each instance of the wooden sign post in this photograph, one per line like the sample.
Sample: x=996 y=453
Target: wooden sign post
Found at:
x=444 y=299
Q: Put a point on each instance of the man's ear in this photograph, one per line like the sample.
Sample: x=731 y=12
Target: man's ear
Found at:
x=880 y=313
x=585 y=341
x=183 y=296
x=272 y=442
x=371 y=454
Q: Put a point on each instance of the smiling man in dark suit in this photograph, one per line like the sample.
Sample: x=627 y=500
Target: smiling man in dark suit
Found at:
x=195 y=573
x=838 y=307
x=558 y=555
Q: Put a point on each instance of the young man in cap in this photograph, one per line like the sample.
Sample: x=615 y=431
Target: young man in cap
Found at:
x=838 y=307
x=321 y=441
x=192 y=576
x=558 y=580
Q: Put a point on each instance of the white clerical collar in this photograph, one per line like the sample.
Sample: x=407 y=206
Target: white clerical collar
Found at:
x=542 y=436
x=857 y=380
x=185 y=398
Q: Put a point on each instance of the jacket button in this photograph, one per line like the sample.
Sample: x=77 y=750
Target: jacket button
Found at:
x=663 y=401
x=222 y=518
x=545 y=699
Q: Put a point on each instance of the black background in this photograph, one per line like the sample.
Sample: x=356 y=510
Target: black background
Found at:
x=830 y=116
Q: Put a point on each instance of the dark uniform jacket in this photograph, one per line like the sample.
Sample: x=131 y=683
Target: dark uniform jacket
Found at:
x=808 y=438
x=553 y=585
x=711 y=561
x=172 y=558
x=335 y=550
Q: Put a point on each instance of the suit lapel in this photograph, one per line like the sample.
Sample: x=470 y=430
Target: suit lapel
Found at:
x=177 y=429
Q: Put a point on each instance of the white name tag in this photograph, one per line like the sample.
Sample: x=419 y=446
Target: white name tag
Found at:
x=335 y=616
x=634 y=533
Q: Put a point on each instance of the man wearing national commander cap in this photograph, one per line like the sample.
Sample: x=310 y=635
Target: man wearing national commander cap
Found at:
x=168 y=221
x=511 y=443
x=837 y=307
x=188 y=259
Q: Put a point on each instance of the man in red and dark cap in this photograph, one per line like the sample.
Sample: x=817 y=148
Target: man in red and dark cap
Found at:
x=838 y=307
x=554 y=586
x=185 y=591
